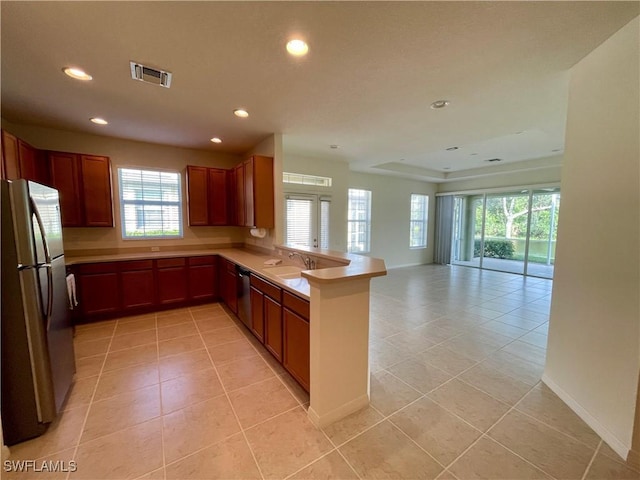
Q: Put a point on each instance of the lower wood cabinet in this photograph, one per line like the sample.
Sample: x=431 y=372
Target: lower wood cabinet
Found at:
x=123 y=288
x=171 y=280
x=98 y=292
x=230 y=285
x=273 y=327
x=257 y=313
x=202 y=278
x=137 y=284
x=296 y=338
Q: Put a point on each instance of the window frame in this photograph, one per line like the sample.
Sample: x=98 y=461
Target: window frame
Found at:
x=124 y=203
x=352 y=221
x=423 y=221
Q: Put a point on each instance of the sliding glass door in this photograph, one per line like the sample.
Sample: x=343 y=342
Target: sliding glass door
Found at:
x=510 y=232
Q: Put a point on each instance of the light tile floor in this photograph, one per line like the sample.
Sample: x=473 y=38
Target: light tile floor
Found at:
x=456 y=360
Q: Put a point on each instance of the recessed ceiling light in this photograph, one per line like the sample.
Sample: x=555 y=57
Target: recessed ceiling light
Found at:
x=77 y=73
x=450 y=149
x=297 y=47
x=99 y=121
x=239 y=112
x=334 y=146
x=216 y=140
x=440 y=104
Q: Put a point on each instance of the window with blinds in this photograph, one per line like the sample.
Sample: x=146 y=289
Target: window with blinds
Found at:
x=150 y=203
x=359 y=221
x=418 y=221
x=307 y=220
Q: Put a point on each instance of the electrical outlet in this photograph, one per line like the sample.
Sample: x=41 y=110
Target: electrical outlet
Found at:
x=155 y=249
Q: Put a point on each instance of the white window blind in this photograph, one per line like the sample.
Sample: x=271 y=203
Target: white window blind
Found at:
x=418 y=221
x=307 y=220
x=359 y=221
x=150 y=203
x=302 y=179
x=299 y=220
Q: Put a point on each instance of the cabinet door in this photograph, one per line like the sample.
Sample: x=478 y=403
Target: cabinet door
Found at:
x=29 y=165
x=96 y=191
x=172 y=285
x=137 y=289
x=273 y=327
x=231 y=291
x=239 y=195
x=296 y=347
x=10 y=154
x=197 y=201
x=249 y=218
x=217 y=199
x=202 y=282
x=98 y=293
x=257 y=313
x=64 y=178
x=263 y=192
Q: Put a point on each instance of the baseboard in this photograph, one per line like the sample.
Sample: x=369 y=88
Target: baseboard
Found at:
x=616 y=445
x=338 y=413
x=405 y=265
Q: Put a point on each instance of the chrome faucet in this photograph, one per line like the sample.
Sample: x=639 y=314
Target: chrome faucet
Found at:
x=308 y=262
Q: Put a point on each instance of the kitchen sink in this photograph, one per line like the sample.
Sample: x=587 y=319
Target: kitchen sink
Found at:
x=284 y=271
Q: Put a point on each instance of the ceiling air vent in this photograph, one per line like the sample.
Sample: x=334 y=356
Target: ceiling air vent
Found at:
x=150 y=75
x=494 y=160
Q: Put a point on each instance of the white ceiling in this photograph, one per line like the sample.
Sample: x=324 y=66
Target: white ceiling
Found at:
x=372 y=72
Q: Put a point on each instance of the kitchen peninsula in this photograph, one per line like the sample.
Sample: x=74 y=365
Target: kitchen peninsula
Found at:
x=331 y=360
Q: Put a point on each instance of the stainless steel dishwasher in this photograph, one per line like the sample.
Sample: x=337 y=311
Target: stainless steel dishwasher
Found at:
x=244 y=297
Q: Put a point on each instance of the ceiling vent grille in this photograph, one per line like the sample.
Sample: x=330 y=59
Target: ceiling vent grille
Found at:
x=494 y=160
x=150 y=75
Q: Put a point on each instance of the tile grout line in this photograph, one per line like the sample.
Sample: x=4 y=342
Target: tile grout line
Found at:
x=593 y=457
x=95 y=389
x=164 y=458
x=224 y=389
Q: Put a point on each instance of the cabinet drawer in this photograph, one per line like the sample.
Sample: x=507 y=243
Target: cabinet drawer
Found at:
x=296 y=304
x=171 y=262
x=267 y=288
x=104 y=267
x=208 y=260
x=135 y=265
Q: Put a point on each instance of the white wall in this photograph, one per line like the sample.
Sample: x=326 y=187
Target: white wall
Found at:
x=339 y=173
x=390 y=204
x=593 y=356
x=131 y=154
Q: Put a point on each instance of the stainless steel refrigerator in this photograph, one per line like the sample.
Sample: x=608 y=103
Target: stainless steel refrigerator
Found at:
x=37 y=334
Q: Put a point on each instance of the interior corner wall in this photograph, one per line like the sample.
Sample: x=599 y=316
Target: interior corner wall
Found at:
x=593 y=354
x=390 y=210
x=338 y=171
x=127 y=153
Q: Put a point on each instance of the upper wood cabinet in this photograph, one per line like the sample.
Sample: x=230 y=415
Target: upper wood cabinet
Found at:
x=10 y=156
x=207 y=196
x=254 y=192
x=218 y=207
x=21 y=160
x=197 y=190
x=33 y=163
x=64 y=177
x=84 y=185
x=96 y=191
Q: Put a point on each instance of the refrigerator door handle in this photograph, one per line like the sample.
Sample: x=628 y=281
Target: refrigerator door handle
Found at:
x=47 y=264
